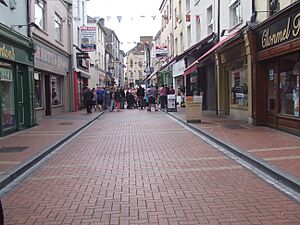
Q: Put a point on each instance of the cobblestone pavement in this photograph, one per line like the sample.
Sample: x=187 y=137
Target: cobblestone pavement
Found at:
x=139 y=167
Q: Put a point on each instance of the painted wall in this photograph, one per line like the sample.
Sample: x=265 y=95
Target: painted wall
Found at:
x=15 y=15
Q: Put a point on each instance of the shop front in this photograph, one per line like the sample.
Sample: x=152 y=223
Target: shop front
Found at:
x=276 y=70
x=50 y=80
x=234 y=80
x=16 y=82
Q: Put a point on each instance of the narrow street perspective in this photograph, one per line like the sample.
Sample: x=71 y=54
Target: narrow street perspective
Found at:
x=139 y=167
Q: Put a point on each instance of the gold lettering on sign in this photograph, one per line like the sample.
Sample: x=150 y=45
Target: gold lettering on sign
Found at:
x=296 y=25
x=276 y=38
x=6 y=53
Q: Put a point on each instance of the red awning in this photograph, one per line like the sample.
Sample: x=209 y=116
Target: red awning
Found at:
x=193 y=67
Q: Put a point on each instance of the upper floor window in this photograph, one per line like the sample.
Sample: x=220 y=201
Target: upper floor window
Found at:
x=189 y=36
x=235 y=12
x=188 y=5
x=210 y=22
x=58 y=27
x=39 y=11
x=180 y=10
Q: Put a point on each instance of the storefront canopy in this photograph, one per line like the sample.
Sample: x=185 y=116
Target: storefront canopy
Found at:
x=193 y=67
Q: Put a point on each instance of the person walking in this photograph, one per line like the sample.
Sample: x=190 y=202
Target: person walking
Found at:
x=123 y=97
x=112 y=95
x=118 y=99
x=88 y=99
x=140 y=95
x=152 y=96
x=163 y=96
x=100 y=98
x=1 y=214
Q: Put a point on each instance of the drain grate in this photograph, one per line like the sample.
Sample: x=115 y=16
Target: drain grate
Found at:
x=12 y=149
x=65 y=123
x=234 y=127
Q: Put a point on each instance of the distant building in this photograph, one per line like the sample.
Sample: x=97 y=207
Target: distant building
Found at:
x=135 y=65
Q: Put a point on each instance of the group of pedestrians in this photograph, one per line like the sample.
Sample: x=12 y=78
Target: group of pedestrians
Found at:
x=111 y=98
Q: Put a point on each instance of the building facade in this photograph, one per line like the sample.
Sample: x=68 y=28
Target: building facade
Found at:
x=97 y=57
x=17 y=101
x=52 y=61
x=80 y=59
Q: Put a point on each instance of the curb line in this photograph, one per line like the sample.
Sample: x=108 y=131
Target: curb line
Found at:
x=276 y=173
x=17 y=171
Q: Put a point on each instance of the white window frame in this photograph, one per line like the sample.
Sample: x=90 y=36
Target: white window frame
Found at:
x=40 y=4
x=235 y=8
x=58 y=25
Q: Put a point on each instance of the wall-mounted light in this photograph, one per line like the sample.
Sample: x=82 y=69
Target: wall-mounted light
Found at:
x=32 y=24
x=3 y=2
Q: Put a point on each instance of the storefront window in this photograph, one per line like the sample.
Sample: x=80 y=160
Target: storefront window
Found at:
x=37 y=90
x=289 y=84
x=271 y=88
x=56 y=90
x=239 y=87
x=7 y=96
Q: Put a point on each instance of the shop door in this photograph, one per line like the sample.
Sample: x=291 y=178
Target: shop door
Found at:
x=47 y=95
x=271 y=88
x=20 y=97
x=227 y=93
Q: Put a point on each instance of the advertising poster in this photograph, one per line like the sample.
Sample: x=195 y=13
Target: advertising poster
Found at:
x=88 y=39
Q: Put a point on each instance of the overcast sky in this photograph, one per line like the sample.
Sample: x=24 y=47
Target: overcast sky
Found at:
x=138 y=18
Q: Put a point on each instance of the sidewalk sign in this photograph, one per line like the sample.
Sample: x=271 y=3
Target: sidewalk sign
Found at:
x=171 y=103
x=193 y=108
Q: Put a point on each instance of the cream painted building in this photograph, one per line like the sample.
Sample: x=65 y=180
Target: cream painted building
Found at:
x=97 y=58
x=135 y=65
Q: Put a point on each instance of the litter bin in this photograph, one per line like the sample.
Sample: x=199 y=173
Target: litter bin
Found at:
x=171 y=103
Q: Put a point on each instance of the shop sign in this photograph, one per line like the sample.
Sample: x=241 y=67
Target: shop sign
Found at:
x=88 y=39
x=282 y=31
x=6 y=75
x=50 y=60
x=12 y=53
x=232 y=54
x=161 y=50
x=178 y=68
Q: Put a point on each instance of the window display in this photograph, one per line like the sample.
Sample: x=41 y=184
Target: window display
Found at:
x=239 y=87
x=289 y=85
x=7 y=97
x=56 y=88
x=37 y=90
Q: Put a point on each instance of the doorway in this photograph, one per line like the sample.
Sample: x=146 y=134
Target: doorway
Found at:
x=47 y=95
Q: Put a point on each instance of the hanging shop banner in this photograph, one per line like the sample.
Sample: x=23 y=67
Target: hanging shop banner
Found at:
x=161 y=50
x=88 y=39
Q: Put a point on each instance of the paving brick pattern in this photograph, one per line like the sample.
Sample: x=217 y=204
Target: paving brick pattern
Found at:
x=137 y=167
x=40 y=137
x=279 y=148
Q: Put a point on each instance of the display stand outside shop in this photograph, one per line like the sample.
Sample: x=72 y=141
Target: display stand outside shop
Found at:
x=193 y=109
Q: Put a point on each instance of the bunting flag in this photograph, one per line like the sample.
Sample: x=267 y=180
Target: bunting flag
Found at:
x=119 y=18
x=132 y=18
x=108 y=18
x=197 y=18
x=143 y=17
x=188 y=18
x=153 y=17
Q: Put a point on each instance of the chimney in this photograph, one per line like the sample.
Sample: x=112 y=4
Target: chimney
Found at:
x=102 y=21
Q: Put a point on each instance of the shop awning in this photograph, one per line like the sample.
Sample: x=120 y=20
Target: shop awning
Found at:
x=193 y=67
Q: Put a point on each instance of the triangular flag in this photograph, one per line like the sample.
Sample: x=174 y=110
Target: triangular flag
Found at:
x=153 y=17
x=131 y=18
x=142 y=16
x=108 y=18
x=119 y=18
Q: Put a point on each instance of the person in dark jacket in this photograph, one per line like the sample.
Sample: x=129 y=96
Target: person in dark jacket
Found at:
x=88 y=98
x=140 y=94
x=1 y=214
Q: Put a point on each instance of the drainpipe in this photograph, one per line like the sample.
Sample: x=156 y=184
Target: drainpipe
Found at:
x=218 y=28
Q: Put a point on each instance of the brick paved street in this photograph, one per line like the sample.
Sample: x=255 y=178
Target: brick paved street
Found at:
x=137 y=167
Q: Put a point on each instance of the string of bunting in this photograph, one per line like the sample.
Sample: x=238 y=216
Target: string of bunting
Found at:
x=132 y=18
